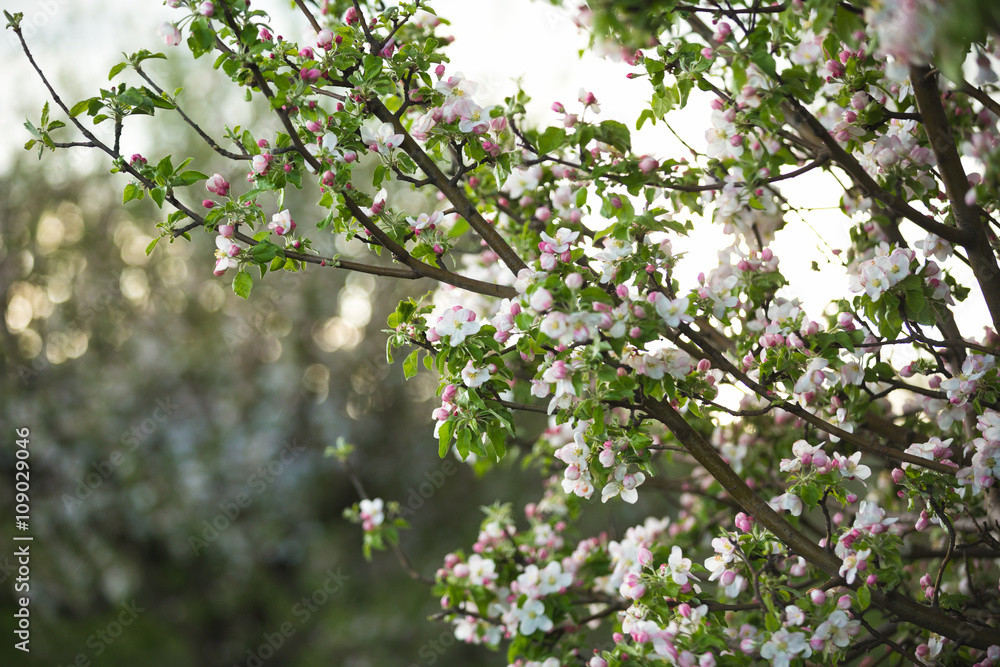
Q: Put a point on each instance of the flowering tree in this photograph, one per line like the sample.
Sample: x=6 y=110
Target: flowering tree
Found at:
x=834 y=471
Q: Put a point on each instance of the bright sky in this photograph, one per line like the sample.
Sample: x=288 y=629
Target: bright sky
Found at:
x=496 y=42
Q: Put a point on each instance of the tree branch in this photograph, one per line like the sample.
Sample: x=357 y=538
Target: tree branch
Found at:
x=956 y=183
x=208 y=140
x=907 y=609
x=426 y=270
x=849 y=163
x=458 y=199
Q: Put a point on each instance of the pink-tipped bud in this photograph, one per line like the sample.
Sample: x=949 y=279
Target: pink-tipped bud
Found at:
x=648 y=164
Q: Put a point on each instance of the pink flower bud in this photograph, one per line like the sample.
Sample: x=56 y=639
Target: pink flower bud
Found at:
x=208 y=203
x=648 y=164
x=169 y=33
x=817 y=596
x=217 y=185
x=324 y=39
x=310 y=74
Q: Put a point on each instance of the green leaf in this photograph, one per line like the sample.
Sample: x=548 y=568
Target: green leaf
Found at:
x=615 y=133
x=884 y=371
x=914 y=302
x=464 y=442
x=191 y=176
x=647 y=114
x=264 y=252
x=242 y=284
x=551 y=139
x=116 y=70
x=460 y=227
x=131 y=192
x=13 y=20
x=661 y=104
x=79 y=108
x=31 y=128
x=444 y=439
x=498 y=440
x=762 y=59
x=864 y=597
x=810 y=495
x=152 y=244
x=165 y=167
x=202 y=39
x=410 y=364
x=158 y=195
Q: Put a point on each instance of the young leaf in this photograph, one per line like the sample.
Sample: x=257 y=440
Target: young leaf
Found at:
x=242 y=284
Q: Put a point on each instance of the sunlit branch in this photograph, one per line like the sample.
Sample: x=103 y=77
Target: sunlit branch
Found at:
x=906 y=608
x=980 y=96
x=455 y=195
x=956 y=183
x=721 y=361
x=850 y=164
x=424 y=269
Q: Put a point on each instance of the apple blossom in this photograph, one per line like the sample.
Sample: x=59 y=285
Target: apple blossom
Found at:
x=381 y=138
x=218 y=185
x=281 y=222
x=169 y=33
x=456 y=324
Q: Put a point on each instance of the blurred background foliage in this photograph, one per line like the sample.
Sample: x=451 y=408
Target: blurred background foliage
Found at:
x=155 y=396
